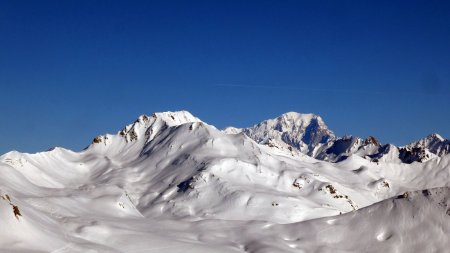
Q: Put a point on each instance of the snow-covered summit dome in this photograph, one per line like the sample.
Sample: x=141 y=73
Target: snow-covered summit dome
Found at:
x=175 y=118
x=292 y=130
x=146 y=127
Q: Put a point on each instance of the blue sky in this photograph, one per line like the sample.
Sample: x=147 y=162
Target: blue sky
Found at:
x=71 y=70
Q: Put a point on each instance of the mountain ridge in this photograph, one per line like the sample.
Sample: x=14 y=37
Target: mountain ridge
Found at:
x=295 y=134
x=179 y=178
x=287 y=132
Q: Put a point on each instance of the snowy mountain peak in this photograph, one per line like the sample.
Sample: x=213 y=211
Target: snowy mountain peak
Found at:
x=175 y=118
x=291 y=131
x=294 y=119
x=148 y=124
x=435 y=136
x=429 y=140
x=169 y=175
x=371 y=141
x=434 y=143
x=146 y=127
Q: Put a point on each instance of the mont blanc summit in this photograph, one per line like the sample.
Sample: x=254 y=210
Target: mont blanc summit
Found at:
x=171 y=182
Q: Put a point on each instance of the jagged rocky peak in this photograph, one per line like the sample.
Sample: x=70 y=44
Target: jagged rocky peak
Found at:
x=300 y=131
x=435 y=136
x=435 y=143
x=424 y=149
x=371 y=141
x=427 y=141
x=410 y=155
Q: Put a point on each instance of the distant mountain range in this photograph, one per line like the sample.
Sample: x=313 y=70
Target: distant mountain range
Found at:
x=308 y=134
x=170 y=182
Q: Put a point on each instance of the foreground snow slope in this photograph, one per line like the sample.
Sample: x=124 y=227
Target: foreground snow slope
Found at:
x=171 y=179
x=418 y=222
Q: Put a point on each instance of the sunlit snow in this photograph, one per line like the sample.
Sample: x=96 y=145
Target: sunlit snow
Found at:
x=171 y=183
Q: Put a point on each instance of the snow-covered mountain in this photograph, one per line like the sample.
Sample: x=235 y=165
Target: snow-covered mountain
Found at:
x=424 y=149
x=434 y=143
x=308 y=134
x=303 y=132
x=171 y=179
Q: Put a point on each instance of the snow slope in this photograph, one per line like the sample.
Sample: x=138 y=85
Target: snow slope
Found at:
x=172 y=182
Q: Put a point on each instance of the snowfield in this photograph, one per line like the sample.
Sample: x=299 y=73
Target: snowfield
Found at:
x=172 y=183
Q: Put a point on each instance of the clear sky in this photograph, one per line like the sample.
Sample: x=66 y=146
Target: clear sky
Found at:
x=71 y=70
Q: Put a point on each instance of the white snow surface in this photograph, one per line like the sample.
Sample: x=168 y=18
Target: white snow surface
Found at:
x=172 y=183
